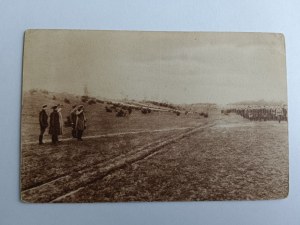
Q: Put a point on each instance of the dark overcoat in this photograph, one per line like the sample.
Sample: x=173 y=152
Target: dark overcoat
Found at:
x=54 y=128
x=73 y=116
x=80 y=121
x=43 y=119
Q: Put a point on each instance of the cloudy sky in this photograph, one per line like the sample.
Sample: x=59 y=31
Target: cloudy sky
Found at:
x=177 y=67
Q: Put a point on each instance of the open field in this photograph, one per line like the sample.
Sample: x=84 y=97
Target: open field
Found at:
x=99 y=121
x=154 y=157
x=211 y=165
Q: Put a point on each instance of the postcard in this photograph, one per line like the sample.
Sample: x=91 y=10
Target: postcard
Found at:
x=122 y=116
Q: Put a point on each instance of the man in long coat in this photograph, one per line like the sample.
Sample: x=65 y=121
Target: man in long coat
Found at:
x=54 y=128
x=73 y=120
x=43 y=119
x=61 y=122
x=279 y=113
x=80 y=122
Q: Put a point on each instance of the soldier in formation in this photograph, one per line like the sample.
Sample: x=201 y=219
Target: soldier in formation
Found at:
x=260 y=113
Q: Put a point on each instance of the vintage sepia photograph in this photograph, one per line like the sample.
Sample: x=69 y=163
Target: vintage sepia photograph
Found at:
x=122 y=116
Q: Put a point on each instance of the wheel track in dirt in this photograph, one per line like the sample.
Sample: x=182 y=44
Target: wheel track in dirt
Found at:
x=62 y=187
x=113 y=134
x=25 y=186
x=82 y=165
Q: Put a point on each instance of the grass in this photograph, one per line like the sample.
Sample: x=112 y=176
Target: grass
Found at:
x=234 y=159
x=248 y=162
x=41 y=164
x=99 y=121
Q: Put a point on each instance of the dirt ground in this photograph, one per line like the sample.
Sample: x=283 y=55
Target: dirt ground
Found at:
x=156 y=157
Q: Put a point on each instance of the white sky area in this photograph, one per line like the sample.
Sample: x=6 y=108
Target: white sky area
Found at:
x=178 y=67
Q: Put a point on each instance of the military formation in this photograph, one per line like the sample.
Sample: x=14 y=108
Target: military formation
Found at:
x=77 y=117
x=260 y=113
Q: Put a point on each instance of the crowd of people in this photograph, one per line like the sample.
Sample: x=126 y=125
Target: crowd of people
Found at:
x=77 y=117
x=260 y=113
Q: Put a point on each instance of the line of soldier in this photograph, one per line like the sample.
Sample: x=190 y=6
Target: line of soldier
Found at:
x=257 y=113
x=77 y=117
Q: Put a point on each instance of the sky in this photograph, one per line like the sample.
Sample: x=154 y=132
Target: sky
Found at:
x=176 y=67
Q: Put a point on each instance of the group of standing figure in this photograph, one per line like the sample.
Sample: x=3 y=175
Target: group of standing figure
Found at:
x=266 y=113
x=55 y=124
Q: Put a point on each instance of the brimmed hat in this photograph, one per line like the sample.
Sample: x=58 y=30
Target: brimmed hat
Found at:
x=44 y=106
x=54 y=107
x=74 y=106
x=80 y=106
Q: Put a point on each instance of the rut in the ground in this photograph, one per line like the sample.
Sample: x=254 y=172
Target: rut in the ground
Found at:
x=114 y=134
x=56 y=190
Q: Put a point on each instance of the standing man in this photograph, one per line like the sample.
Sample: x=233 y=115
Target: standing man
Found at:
x=73 y=120
x=54 y=128
x=61 y=122
x=43 y=119
x=80 y=122
x=285 y=112
x=279 y=113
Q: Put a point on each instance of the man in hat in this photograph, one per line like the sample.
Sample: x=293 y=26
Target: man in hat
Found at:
x=73 y=120
x=279 y=113
x=80 y=122
x=61 y=122
x=43 y=119
x=54 y=128
x=284 y=108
